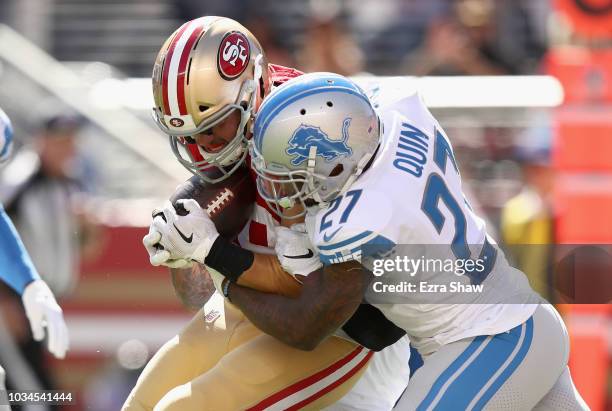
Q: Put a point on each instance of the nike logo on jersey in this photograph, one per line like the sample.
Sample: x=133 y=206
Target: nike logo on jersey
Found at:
x=183 y=236
x=327 y=238
x=307 y=255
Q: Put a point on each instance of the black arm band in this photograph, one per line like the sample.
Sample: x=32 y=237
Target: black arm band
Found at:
x=229 y=259
x=370 y=328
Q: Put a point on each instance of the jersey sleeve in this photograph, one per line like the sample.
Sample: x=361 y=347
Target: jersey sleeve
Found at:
x=355 y=225
x=280 y=74
x=16 y=267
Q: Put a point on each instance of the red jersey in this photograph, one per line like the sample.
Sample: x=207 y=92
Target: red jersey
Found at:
x=258 y=235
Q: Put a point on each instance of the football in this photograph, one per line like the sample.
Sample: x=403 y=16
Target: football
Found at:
x=229 y=203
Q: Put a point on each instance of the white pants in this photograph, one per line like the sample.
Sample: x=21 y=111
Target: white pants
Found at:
x=521 y=369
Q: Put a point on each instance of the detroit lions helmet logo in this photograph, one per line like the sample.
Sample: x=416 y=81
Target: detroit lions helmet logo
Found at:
x=307 y=136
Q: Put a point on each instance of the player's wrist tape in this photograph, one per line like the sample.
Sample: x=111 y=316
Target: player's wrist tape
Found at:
x=229 y=259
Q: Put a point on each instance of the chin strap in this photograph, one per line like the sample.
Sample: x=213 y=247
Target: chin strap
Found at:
x=258 y=70
x=360 y=167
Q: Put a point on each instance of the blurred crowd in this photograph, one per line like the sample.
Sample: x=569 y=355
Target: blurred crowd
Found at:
x=399 y=37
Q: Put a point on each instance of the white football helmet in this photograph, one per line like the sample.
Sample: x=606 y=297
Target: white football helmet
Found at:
x=6 y=137
x=313 y=136
x=206 y=70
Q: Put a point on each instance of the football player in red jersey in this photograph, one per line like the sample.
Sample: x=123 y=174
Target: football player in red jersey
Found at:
x=209 y=78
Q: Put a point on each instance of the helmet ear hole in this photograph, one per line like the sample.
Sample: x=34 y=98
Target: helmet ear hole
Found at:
x=203 y=108
x=337 y=170
x=309 y=202
x=330 y=104
x=262 y=86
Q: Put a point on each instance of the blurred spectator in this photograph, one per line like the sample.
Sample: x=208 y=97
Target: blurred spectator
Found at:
x=522 y=30
x=269 y=40
x=527 y=222
x=462 y=43
x=39 y=189
x=328 y=46
x=44 y=200
x=192 y=9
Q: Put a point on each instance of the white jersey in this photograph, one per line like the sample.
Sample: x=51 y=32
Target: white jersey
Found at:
x=411 y=194
x=388 y=373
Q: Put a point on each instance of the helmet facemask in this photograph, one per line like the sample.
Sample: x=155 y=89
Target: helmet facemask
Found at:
x=227 y=160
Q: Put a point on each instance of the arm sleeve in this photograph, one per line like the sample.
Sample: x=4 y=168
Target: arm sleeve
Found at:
x=16 y=267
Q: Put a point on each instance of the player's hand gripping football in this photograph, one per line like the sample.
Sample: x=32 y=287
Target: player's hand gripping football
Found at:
x=43 y=312
x=177 y=240
x=294 y=251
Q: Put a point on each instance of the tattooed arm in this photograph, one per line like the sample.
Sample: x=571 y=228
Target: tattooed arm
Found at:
x=192 y=285
x=328 y=298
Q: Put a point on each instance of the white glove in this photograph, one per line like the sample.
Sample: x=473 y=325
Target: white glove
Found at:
x=43 y=311
x=158 y=255
x=188 y=237
x=294 y=251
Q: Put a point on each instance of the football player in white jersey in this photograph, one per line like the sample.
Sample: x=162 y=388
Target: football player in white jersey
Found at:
x=365 y=180
x=400 y=184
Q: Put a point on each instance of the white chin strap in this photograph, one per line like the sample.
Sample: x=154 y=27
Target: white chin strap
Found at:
x=310 y=168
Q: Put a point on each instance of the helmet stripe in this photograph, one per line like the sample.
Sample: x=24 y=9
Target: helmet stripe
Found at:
x=167 y=62
x=180 y=80
x=173 y=84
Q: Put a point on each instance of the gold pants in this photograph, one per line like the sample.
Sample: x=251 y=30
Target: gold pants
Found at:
x=221 y=361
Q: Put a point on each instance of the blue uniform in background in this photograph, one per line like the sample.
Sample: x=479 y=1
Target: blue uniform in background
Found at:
x=16 y=267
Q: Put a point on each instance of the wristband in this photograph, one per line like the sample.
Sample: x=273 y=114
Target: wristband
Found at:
x=229 y=259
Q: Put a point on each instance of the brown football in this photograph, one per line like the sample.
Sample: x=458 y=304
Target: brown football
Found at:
x=229 y=203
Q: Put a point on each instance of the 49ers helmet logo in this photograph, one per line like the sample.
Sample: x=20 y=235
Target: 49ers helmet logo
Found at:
x=233 y=55
x=176 y=122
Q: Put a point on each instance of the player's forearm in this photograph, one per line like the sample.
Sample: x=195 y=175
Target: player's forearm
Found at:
x=192 y=285
x=259 y=271
x=274 y=315
x=326 y=302
x=268 y=276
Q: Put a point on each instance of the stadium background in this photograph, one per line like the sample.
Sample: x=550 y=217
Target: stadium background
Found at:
x=540 y=128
